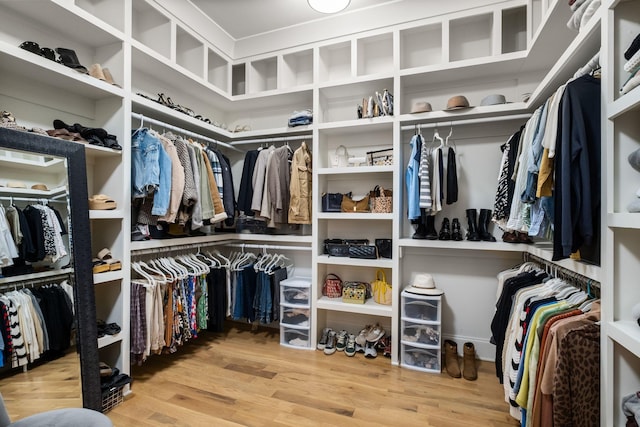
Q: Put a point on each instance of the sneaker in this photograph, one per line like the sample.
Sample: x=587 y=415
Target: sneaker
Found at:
x=375 y=333
x=341 y=340
x=359 y=348
x=350 y=349
x=330 y=348
x=370 y=350
x=323 y=338
x=361 y=339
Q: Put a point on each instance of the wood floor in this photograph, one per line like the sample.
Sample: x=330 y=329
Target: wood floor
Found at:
x=245 y=378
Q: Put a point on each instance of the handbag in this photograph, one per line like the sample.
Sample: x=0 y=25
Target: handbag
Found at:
x=363 y=252
x=350 y=205
x=340 y=157
x=355 y=292
x=381 y=200
x=332 y=287
x=380 y=157
x=384 y=247
x=331 y=202
x=382 y=293
x=338 y=249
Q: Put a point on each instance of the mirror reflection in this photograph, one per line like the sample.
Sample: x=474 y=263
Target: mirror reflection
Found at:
x=39 y=364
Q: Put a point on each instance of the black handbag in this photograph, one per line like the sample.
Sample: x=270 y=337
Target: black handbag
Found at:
x=343 y=242
x=332 y=202
x=337 y=249
x=384 y=247
x=363 y=252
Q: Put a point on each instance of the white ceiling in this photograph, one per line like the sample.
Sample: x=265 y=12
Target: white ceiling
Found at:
x=247 y=18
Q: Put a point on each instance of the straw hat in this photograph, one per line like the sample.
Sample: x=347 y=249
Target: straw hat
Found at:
x=423 y=284
x=457 y=102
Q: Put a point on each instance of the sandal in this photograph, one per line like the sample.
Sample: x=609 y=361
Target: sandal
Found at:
x=101 y=202
x=105 y=256
x=105 y=370
x=99 y=266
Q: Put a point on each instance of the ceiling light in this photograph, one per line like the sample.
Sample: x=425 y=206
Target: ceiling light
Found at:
x=329 y=6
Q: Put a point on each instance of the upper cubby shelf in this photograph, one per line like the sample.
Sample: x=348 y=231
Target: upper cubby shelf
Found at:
x=151 y=28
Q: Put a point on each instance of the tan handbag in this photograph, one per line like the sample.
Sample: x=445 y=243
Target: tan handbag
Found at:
x=382 y=292
x=350 y=205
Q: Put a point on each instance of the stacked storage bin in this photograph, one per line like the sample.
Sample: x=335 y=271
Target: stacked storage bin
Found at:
x=421 y=332
x=295 y=308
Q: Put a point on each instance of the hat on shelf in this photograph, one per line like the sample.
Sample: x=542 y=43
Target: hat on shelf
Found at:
x=634 y=159
x=494 y=99
x=457 y=102
x=39 y=187
x=421 y=107
x=16 y=184
x=423 y=284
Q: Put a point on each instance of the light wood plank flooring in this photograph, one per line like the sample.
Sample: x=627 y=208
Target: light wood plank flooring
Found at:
x=245 y=378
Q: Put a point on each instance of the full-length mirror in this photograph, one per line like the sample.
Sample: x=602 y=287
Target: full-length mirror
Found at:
x=47 y=278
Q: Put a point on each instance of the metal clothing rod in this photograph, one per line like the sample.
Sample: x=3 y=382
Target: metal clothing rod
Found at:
x=144 y=119
x=31 y=199
x=265 y=247
x=444 y=122
x=173 y=248
x=272 y=139
x=565 y=272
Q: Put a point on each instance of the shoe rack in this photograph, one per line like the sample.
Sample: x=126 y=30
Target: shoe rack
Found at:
x=510 y=48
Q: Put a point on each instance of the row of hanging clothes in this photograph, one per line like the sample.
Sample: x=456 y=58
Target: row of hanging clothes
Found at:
x=30 y=234
x=173 y=298
x=547 y=336
x=36 y=323
x=431 y=176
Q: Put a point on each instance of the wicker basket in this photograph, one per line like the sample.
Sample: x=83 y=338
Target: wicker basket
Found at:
x=112 y=399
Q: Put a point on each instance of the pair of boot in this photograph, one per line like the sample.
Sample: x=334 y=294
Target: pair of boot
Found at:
x=469 y=370
x=479 y=226
x=448 y=231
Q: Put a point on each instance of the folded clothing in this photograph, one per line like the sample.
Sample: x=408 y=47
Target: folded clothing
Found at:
x=633 y=64
x=631 y=83
x=633 y=48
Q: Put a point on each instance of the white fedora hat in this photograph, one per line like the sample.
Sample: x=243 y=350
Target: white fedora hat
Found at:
x=423 y=284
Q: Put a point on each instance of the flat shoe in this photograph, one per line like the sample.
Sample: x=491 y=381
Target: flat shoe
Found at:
x=101 y=202
x=105 y=256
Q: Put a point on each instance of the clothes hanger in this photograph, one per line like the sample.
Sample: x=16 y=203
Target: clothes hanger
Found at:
x=436 y=135
x=157 y=264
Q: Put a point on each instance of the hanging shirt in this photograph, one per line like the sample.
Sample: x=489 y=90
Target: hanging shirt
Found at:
x=412 y=178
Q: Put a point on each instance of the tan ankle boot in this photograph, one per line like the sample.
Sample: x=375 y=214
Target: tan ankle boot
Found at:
x=470 y=372
x=451 y=358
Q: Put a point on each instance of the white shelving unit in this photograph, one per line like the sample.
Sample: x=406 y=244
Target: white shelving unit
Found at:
x=620 y=340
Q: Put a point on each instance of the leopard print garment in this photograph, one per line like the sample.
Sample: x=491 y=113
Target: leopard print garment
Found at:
x=576 y=386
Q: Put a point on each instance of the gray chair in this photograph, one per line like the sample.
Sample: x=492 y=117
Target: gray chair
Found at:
x=68 y=417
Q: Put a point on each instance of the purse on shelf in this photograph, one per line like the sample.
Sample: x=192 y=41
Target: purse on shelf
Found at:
x=380 y=157
x=340 y=247
x=384 y=247
x=363 y=252
x=350 y=205
x=382 y=293
x=340 y=157
x=332 y=202
x=381 y=200
x=332 y=286
x=356 y=292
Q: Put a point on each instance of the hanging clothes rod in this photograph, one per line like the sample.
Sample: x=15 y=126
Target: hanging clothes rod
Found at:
x=268 y=247
x=32 y=199
x=443 y=122
x=185 y=132
x=272 y=139
x=562 y=272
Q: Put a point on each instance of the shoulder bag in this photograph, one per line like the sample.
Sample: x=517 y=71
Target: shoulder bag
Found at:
x=332 y=286
x=350 y=205
x=381 y=200
x=382 y=292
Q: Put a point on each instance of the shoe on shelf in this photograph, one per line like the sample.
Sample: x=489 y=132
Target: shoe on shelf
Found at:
x=324 y=337
x=105 y=256
x=375 y=333
x=105 y=370
x=361 y=338
x=370 y=350
x=102 y=202
x=341 y=340
x=350 y=349
x=330 y=347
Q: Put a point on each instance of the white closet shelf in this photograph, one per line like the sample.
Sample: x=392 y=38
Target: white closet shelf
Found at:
x=277 y=96
x=545 y=251
x=348 y=216
x=107 y=276
x=370 y=307
x=336 y=86
x=222 y=238
x=106 y=214
x=7 y=191
x=28 y=65
x=624 y=104
x=626 y=333
x=68 y=19
x=508 y=64
x=91 y=150
x=35 y=163
x=35 y=276
x=355 y=169
x=464 y=245
x=356 y=262
x=107 y=340
x=355 y=126
x=575 y=56
x=501 y=112
x=623 y=220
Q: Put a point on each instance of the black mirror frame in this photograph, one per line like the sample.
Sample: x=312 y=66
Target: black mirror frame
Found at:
x=87 y=329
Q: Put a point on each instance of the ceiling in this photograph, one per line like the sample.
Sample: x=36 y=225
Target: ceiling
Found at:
x=247 y=18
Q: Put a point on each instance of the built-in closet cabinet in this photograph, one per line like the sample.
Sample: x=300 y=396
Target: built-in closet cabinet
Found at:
x=37 y=91
x=620 y=182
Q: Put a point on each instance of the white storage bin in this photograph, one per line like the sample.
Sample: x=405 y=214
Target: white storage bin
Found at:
x=295 y=291
x=296 y=338
x=421 y=333
x=421 y=358
x=419 y=307
x=295 y=316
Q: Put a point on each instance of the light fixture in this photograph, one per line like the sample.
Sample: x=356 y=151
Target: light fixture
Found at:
x=329 y=6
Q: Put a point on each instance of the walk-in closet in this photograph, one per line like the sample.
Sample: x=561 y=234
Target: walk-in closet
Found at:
x=392 y=212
